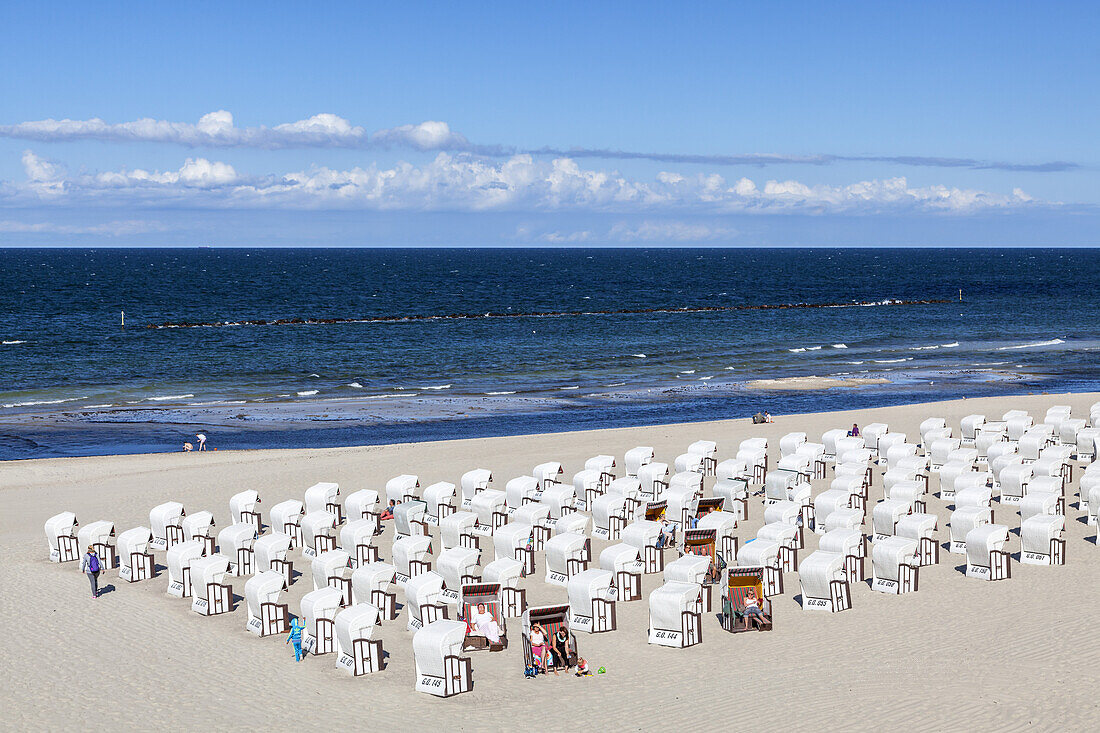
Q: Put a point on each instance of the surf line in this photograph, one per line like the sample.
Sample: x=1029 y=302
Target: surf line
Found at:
x=536 y=314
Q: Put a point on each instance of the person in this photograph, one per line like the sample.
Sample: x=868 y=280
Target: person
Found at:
x=768 y=417
x=854 y=432
x=667 y=538
x=539 y=646
x=387 y=513
x=92 y=567
x=753 y=612
x=561 y=648
x=582 y=668
x=202 y=440
x=484 y=624
x=295 y=636
x=694 y=521
x=187 y=447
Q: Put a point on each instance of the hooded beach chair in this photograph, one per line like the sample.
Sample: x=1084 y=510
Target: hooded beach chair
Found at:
x=237 y=542
x=886 y=515
x=318 y=533
x=474 y=595
x=331 y=569
x=424 y=600
x=635 y=458
x=357 y=538
x=506 y=573
x=1041 y=541
x=763 y=553
x=675 y=615
x=61 y=537
x=565 y=557
x=458 y=566
x=324 y=497
x=270 y=553
x=473 y=483
x=286 y=517
x=734 y=493
x=319 y=608
x=921 y=528
x=522 y=490
x=363 y=504
x=212 y=596
x=370 y=583
x=439 y=501
x=537 y=515
x=963 y=520
x=166 y=522
x=441 y=669
x=135 y=560
x=737 y=584
x=547 y=473
x=357 y=651
x=851 y=544
x=244 y=507
x=411 y=557
x=609 y=516
x=986 y=556
x=266 y=616
x=457 y=530
x=405 y=487
x=552 y=619
x=653 y=477
x=895 y=564
x=492 y=513
x=179 y=559
x=409 y=519
x=824 y=582
x=99 y=535
x=516 y=542
x=643 y=535
x=605 y=465
x=592 y=594
x=724 y=524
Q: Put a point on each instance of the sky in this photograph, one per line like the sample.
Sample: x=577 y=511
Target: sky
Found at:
x=563 y=124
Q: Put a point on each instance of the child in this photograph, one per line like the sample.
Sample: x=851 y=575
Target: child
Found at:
x=582 y=668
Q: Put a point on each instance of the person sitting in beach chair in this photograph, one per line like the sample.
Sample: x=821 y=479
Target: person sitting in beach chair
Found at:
x=667 y=538
x=754 y=614
x=485 y=624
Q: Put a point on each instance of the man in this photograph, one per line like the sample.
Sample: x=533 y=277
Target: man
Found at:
x=667 y=538
x=202 y=440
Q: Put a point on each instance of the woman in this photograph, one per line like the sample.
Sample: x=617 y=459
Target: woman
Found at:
x=484 y=624
x=91 y=567
x=539 y=646
x=854 y=432
x=561 y=647
x=295 y=635
x=753 y=612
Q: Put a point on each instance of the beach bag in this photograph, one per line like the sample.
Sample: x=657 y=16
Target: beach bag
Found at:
x=530 y=672
x=93 y=564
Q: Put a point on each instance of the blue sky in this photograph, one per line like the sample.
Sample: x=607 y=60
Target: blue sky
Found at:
x=564 y=124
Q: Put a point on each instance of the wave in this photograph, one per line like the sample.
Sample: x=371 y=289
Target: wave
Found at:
x=356 y=385
x=840 y=346
x=689 y=371
x=568 y=388
x=705 y=379
x=639 y=356
x=796 y=351
x=951 y=345
x=441 y=386
x=499 y=393
x=892 y=361
x=315 y=375
x=853 y=362
x=13 y=343
x=616 y=384
x=922 y=348
x=307 y=393
x=1052 y=342
x=217 y=402
x=541 y=314
x=163 y=398
x=41 y=402
x=99 y=407
x=813 y=348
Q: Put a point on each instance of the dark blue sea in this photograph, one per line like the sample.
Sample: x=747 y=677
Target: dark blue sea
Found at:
x=321 y=347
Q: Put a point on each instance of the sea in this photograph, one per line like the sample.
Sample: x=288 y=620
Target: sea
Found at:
x=306 y=347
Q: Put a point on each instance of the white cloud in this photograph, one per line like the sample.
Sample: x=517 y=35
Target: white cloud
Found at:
x=217 y=130
x=669 y=231
x=111 y=228
x=469 y=183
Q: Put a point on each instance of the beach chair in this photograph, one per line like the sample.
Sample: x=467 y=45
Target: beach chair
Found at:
x=565 y=557
x=789 y=443
x=734 y=493
x=849 y=443
x=61 y=537
x=798 y=464
x=898 y=451
x=731 y=468
x=1087 y=441
x=331 y=569
x=491 y=511
x=411 y=557
x=992 y=434
x=560 y=499
x=896 y=565
x=921 y=528
x=439 y=501
x=457 y=530
x=754 y=454
x=609 y=516
x=459 y=567
x=537 y=515
x=286 y=517
x=911 y=491
x=516 y=541
x=783 y=485
x=853 y=485
x=724 y=524
x=829 y=501
x=357 y=651
x=211 y=595
x=628 y=487
x=409 y=519
x=973 y=495
x=699 y=545
x=962 y=521
x=575 y=523
x=1067 y=431
x=939 y=449
x=643 y=535
x=1032 y=443
x=237 y=542
x=815 y=453
x=986 y=556
x=676 y=615
x=324 y=497
x=738 y=581
x=1057 y=414
x=886 y=515
x=166 y=522
x=871 y=434
x=682 y=498
x=693 y=567
x=635 y=458
x=763 y=553
x=885 y=442
x=318 y=533
x=363 y=504
x=969 y=428
x=405 y=487
x=851 y=544
x=506 y=573
x=370 y=583
x=551 y=618
x=592 y=595
x=928 y=426
x=1048 y=502
x=653 y=478
x=782 y=523
x=824 y=582
x=1041 y=541
x=319 y=608
x=606 y=467
x=179 y=559
x=357 y=537
x=474 y=595
x=547 y=473
x=689 y=463
x=441 y=670
x=829 y=439
x=473 y=483
x=522 y=490
x=424 y=600
x=270 y=553
x=99 y=535
x=1017 y=422
x=1013 y=481
x=588 y=484
x=244 y=508
x=135 y=560
x=266 y=616
x=708 y=450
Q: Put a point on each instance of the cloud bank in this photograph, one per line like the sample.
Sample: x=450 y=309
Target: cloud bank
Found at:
x=468 y=183
x=217 y=130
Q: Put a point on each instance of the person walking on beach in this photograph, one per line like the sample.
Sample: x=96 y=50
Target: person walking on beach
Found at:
x=91 y=567
x=202 y=440
x=295 y=636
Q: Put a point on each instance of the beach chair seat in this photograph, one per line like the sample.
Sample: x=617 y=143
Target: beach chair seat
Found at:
x=458 y=566
x=547 y=473
x=969 y=428
x=236 y=542
x=266 y=616
x=886 y=515
x=506 y=573
x=896 y=565
x=565 y=557
x=928 y=426
x=609 y=516
x=592 y=596
x=653 y=478
x=986 y=555
x=166 y=523
x=1041 y=540
x=491 y=510
x=135 y=559
x=405 y=487
x=921 y=528
x=100 y=535
x=324 y=497
x=536 y=515
x=738 y=582
x=179 y=559
x=605 y=465
x=458 y=530
x=441 y=670
x=211 y=595
x=851 y=544
x=790 y=442
x=516 y=541
x=589 y=484
x=625 y=562
x=424 y=600
x=357 y=651
x=637 y=457
x=1013 y=480
x=493 y=637
x=318 y=532
x=675 y=615
x=412 y=556
x=330 y=569
x=61 y=537
x=199 y=526
x=244 y=507
x=824 y=582
x=439 y=501
x=940 y=449
x=286 y=517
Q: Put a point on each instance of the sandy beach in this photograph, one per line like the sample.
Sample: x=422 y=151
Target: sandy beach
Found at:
x=1011 y=655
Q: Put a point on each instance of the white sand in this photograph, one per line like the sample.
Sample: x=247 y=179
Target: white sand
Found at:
x=960 y=653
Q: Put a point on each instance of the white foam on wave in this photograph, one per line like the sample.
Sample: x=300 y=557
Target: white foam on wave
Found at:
x=440 y=386
x=307 y=393
x=892 y=361
x=704 y=379
x=639 y=356
x=796 y=351
x=814 y=348
x=616 y=384
x=922 y=348
x=567 y=388
x=840 y=346
x=853 y=362
x=164 y=398
x=355 y=385
x=41 y=402
x=315 y=375
x=13 y=343
x=1052 y=342
x=500 y=393
x=688 y=371
x=99 y=407
x=951 y=345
